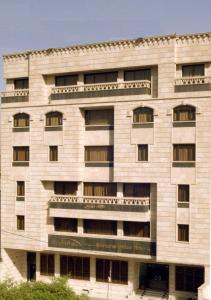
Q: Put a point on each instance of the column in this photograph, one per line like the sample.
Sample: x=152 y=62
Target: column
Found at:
x=172 y=282
x=37 y=266
x=80 y=226
x=120 y=190
x=81 y=82
x=57 y=264
x=120 y=78
x=92 y=269
x=120 y=228
x=131 y=276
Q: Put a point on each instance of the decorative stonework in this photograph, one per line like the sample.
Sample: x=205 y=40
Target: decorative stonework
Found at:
x=192 y=80
x=15 y=93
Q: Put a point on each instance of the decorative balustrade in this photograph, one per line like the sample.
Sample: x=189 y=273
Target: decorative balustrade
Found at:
x=193 y=80
x=100 y=200
x=15 y=93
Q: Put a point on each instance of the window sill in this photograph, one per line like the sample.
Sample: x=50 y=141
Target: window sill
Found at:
x=99 y=164
x=53 y=128
x=183 y=204
x=21 y=129
x=184 y=124
x=184 y=164
x=99 y=127
x=20 y=163
x=143 y=125
x=20 y=198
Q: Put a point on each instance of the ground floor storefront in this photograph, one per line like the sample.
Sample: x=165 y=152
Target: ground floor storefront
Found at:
x=107 y=277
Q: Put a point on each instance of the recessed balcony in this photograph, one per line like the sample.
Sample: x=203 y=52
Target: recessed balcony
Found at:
x=20 y=95
x=102 y=90
x=192 y=84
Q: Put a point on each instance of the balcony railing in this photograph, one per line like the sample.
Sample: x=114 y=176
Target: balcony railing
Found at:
x=100 y=200
x=15 y=93
x=193 y=80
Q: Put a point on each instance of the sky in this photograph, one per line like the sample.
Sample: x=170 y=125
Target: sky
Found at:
x=41 y=24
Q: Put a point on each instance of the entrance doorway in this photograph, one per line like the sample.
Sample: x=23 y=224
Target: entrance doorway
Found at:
x=31 y=266
x=154 y=277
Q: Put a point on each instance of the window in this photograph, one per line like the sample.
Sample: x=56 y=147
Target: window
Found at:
x=100 y=227
x=65 y=224
x=20 y=190
x=54 y=118
x=184 y=113
x=100 y=189
x=65 y=188
x=21 y=84
x=21 y=120
x=53 y=153
x=189 y=278
x=184 y=152
x=75 y=267
x=136 y=190
x=193 y=70
x=98 y=153
x=115 y=269
x=99 y=117
x=183 y=193
x=21 y=153
x=20 y=223
x=183 y=233
x=140 y=74
x=47 y=264
x=136 y=229
x=100 y=77
x=142 y=152
x=66 y=80
x=143 y=115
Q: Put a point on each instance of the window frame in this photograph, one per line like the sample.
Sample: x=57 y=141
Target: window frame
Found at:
x=65 y=79
x=51 y=155
x=26 y=154
x=51 y=114
x=193 y=65
x=187 y=241
x=25 y=83
x=27 y=120
x=46 y=272
x=82 y=260
x=74 y=221
x=95 y=74
x=89 y=161
x=134 y=72
x=177 y=122
x=142 y=161
x=178 y=193
x=148 y=115
x=20 y=222
x=183 y=161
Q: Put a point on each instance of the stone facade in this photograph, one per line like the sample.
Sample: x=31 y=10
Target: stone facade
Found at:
x=164 y=56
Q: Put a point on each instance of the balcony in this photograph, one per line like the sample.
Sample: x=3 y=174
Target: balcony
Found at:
x=102 y=90
x=20 y=95
x=131 y=209
x=192 y=84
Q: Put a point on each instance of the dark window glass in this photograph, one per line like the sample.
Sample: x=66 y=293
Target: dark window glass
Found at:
x=139 y=229
x=65 y=188
x=143 y=152
x=100 y=77
x=184 y=113
x=21 y=120
x=115 y=269
x=184 y=152
x=99 y=117
x=143 y=115
x=102 y=270
x=189 y=279
x=20 y=223
x=183 y=233
x=54 y=119
x=22 y=83
x=141 y=74
x=100 y=189
x=20 y=153
x=66 y=80
x=183 y=193
x=75 y=267
x=53 y=153
x=193 y=70
x=136 y=190
x=98 y=153
x=21 y=188
x=47 y=264
x=104 y=227
x=65 y=224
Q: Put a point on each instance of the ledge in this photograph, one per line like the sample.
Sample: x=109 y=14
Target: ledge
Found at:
x=99 y=164
x=20 y=163
x=193 y=88
x=184 y=124
x=99 y=127
x=13 y=99
x=21 y=129
x=143 y=125
x=53 y=128
x=184 y=164
x=183 y=204
x=20 y=198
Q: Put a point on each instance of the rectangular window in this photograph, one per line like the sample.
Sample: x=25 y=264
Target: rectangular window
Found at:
x=47 y=264
x=99 y=117
x=136 y=190
x=183 y=193
x=115 y=269
x=188 y=279
x=20 y=84
x=75 y=267
x=20 y=223
x=98 y=153
x=183 y=233
x=65 y=224
x=100 y=77
x=193 y=70
x=100 y=189
x=53 y=153
x=136 y=229
x=100 y=227
x=184 y=152
x=66 y=80
x=20 y=188
x=65 y=187
x=142 y=152
x=21 y=153
x=140 y=74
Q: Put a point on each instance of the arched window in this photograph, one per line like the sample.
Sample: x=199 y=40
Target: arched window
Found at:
x=21 y=120
x=184 y=113
x=54 y=118
x=143 y=115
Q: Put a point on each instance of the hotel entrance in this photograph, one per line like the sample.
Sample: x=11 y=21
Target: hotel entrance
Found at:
x=154 y=277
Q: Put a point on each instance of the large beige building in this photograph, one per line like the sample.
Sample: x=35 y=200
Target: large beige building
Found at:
x=106 y=167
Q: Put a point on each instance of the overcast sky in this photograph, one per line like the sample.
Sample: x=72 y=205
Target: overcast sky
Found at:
x=39 y=24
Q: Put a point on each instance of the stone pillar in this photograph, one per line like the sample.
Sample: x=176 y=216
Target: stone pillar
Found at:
x=172 y=282
x=131 y=277
x=57 y=264
x=80 y=226
x=92 y=269
x=37 y=266
x=80 y=189
x=119 y=228
x=120 y=190
x=81 y=82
